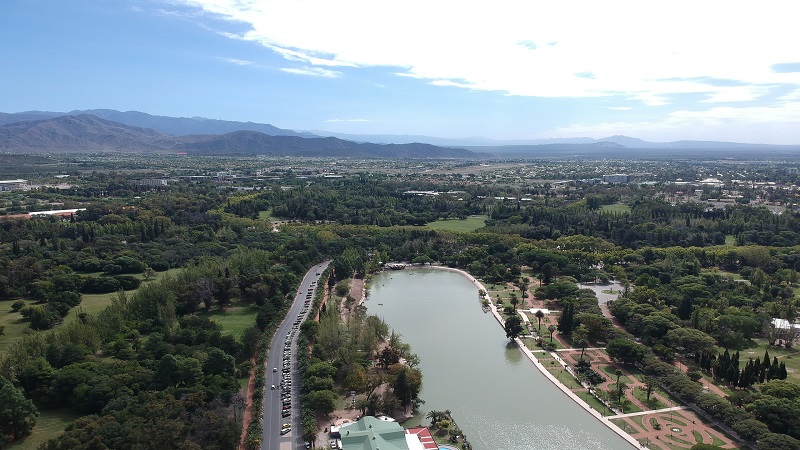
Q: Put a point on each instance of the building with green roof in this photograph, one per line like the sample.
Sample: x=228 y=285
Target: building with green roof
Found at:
x=371 y=433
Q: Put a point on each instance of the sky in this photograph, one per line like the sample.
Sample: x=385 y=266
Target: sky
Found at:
x=506 y=69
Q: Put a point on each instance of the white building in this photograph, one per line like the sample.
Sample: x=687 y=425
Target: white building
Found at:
x=13 y=185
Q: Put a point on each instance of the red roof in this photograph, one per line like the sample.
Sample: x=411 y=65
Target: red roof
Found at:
x=424 y=437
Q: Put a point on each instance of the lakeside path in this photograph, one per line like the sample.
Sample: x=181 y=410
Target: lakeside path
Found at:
x=541 y=367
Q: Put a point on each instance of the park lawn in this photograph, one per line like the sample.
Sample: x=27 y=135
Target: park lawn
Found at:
x=94 y=303
x=15 y=326
x=233 y=319
x=641 y=395
x=50 y=424
x=13 y=322
x=471 y=223
x=616 y=208
x=596 y=404
x=267 y=215
x=626 y=426
x=791 y=357
x=567 y=379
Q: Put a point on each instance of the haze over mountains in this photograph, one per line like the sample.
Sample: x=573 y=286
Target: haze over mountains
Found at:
x=133 y=131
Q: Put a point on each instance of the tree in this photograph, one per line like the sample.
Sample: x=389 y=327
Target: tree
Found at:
x=514 y=300
x=625 y=350
x=566 y=321
x=776 y=441
x=402 y=388
x=17 y=414
x=513 y=327
x=322 y=402
x=692 y=340
x=435 y=416
x=580 y=337
x=621 y=387
x=552 y=329
x=650 y=383
x=539 y=314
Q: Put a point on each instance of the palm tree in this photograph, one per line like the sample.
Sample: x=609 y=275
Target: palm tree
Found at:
x=252 y=441
x=551 y=329
x=539 y=316
x=620 y=386
x=435 y=416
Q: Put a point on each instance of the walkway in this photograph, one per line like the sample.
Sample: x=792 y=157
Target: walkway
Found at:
x=654 y=411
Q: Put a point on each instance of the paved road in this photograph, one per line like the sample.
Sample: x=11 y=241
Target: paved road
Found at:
x=273 y=400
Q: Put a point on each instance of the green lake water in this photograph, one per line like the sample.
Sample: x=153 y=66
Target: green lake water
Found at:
x=496 y=395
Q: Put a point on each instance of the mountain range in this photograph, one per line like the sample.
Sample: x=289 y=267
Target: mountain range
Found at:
x=90 y=133
x=133 y=131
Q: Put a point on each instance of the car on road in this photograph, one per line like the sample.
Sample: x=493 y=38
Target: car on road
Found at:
x=273 y=387
x=274 y=369
x=285 y=430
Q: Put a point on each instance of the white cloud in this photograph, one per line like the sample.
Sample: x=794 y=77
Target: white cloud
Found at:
x=775 y=124
x=313 y=72
x=644 y=51
x=238 y=62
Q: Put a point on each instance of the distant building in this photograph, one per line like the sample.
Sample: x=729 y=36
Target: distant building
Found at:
x=151 y=182
x=13 y=185
x=616 y=178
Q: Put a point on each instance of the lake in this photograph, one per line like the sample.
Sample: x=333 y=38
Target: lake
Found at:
x=496 y=396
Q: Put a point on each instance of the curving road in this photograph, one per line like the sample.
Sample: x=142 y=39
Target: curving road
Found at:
x=282 y=371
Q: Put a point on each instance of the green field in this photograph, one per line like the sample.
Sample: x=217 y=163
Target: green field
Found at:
x=267 y=215
x=616 y=208
x=471 y=223
x=234 y=319
x=49 y=425
x=13 y=322
x=15 y=325
x=791 y=357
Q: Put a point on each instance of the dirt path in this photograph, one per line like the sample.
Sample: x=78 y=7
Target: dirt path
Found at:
x=248 y=405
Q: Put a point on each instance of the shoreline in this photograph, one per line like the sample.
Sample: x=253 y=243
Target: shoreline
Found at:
x=525 y=350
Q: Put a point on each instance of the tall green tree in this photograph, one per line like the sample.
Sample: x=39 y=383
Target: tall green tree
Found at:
x=513 y=327
x=17 y=414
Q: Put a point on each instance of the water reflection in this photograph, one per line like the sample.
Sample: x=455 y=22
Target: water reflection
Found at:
x=513 y=354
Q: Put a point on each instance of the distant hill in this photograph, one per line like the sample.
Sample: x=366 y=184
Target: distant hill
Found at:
x=89 y=133
x=176 y=126
x=203 y=135
x=535 y=146
x=81 y=133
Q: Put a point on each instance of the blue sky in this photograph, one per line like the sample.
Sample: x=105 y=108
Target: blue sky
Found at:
x=514 y=69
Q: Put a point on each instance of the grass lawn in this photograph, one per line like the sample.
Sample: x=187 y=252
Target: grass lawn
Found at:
x=471 y=223
x=626 y=426
x=15 y=326
x=642 y=396
x=791 y=357
x=616 y=208
x=235 y=319
x=730 y=241
x=639 y=420
x=13 y=322
x=94 y=303
x=267 y=215
x=49 y=425
x=566 y=379
x=594 y=403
